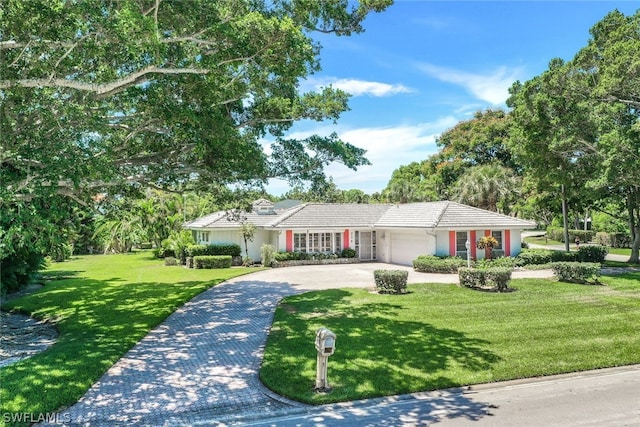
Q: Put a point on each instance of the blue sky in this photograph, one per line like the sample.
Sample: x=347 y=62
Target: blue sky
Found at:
x=421 y=67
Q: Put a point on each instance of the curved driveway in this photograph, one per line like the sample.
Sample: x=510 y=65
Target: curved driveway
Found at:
x=200 y=366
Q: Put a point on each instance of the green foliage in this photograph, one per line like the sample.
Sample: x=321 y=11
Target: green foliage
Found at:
x=444 y=336
x=303 y=256
x=505 y=262
x=492 y=277
x=589 y=253
x=230 y=249
x=101 y=306
x=348 y=253
x=170 y=261
x=614 y=240
x=544 y=256
x=212 y=261
x=491 y=186
x=177 y=243
x=19 y=269
x=434 y=264
x=267 y=252
x=557 y=233
x=575 y=126
x=487 y=242
x=391 y=281
x=577 y=272
x=115 y=92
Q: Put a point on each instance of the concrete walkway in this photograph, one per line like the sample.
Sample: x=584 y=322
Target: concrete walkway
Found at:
x=200 y=366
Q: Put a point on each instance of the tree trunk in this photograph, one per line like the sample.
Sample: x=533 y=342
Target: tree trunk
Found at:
x=633 y=208
x=565 y=220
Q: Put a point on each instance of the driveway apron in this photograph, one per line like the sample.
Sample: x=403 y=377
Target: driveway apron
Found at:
x=201 y=364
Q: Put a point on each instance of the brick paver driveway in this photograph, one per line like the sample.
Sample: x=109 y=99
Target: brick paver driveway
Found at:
x=201 y=365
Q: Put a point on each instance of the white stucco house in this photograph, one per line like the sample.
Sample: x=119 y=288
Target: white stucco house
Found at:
x=392 y=233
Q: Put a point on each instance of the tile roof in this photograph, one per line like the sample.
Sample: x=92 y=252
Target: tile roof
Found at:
x=328 y=215
x=412 y=215
x=443 y=214
x=456 y=215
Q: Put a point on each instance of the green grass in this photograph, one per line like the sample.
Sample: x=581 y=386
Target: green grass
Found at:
x=441 y=336
x=541 y=240
x=102 y=305
x=620 y=251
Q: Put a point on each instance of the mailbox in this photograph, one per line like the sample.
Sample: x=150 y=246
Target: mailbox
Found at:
x=325 y=342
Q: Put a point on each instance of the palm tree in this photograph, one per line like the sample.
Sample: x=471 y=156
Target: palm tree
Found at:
x=492 y=187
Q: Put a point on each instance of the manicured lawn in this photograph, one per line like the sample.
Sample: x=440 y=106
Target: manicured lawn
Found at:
x=541 y=240
x=620 y=251
x=441 y=336
x=102 y=305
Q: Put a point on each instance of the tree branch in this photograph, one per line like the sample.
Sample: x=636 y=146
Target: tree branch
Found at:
x=102 y=90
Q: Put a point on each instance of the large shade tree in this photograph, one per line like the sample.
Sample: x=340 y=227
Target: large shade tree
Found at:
x=113 y=96
x=578 y=124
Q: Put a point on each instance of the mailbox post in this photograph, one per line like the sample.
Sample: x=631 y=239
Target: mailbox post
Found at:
x=326 y=346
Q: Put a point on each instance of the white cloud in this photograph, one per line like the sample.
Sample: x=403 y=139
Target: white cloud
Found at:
x=387 y=149
x=492 y=87
x=357 y=87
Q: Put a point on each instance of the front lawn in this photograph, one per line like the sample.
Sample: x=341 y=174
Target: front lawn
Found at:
x=102 y=305
x=440 y=336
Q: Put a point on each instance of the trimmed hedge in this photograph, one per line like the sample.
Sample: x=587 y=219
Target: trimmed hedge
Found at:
x=303 y=256
x=544 y=256
x=212 y=261
x=614 y=240
x=557 y=233
x=576 y=272
x=495 y=277
x=506 y=262
x=592 y=253
x=434 y=264
x=230 y=249
x=391 y=281
x=348 y=253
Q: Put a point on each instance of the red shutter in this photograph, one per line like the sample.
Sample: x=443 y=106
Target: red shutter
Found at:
x=346 y=239
x=452 y=243
x=472 y=244
x=506 y=242
x=289 y=240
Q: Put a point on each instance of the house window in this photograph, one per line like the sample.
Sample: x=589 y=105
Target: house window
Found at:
x=338 y=242
x=300 y=242
x=320 y=242
x=461 y=241
x=204 y=236
x=498 y=236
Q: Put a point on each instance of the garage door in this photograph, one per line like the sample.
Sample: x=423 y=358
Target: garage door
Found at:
x=406 y=247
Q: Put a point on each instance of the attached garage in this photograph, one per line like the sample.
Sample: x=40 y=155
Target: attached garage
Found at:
x=405 y=247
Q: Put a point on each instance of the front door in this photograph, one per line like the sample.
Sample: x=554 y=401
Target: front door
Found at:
x=365 y=245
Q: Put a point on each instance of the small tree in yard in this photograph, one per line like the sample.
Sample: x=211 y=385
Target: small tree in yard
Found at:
x=248 y=231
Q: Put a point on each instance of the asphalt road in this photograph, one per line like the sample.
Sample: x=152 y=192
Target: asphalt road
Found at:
x=603 y=398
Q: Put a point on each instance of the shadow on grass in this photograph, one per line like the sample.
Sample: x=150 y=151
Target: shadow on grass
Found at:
x=377 y=353
x=98 y=322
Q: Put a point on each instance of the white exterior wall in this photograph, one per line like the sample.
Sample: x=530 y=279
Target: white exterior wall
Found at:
x=234 y=236
x=442 y=243
x=516 y=242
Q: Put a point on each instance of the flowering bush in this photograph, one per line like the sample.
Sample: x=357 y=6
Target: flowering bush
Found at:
x=487 y=242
